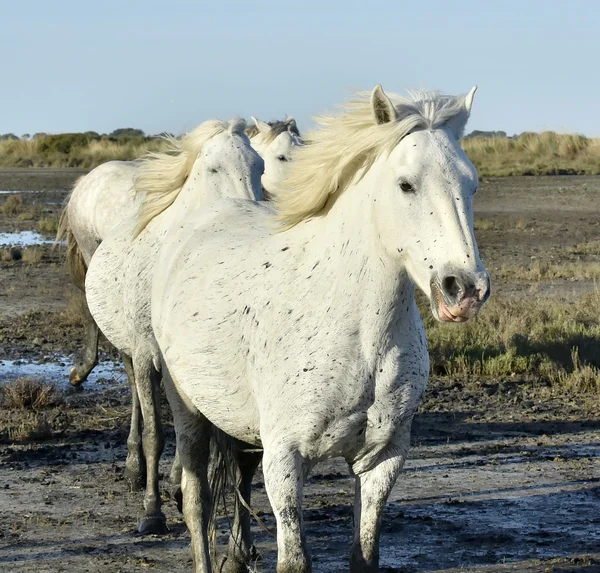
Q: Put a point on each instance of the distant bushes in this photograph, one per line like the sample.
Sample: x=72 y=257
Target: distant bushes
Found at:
x=492 y=152
x=63 y=143
x=546 y=153
x=85 y=150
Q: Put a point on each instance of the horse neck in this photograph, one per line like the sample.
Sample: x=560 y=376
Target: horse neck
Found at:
x=258 y=142
x=193 y=195
x=369 y=284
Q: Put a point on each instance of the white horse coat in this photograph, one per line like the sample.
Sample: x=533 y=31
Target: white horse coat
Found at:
x=308 y=342
x=215 y=160
x=105 y=198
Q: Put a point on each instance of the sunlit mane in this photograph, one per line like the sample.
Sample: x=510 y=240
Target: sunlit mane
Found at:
x=277 y=128
x=161 y=176
x=349 y=142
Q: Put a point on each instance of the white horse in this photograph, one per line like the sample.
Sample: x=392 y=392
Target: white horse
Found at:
x=105 y=197
x=213 y=161
x=275 y=143
x=307 y=342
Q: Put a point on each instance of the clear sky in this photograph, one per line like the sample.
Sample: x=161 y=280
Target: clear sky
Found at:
x=78 y=65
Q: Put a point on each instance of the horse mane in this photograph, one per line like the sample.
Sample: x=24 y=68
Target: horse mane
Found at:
x=277 y=128
x=350 y=142
x=160 y=176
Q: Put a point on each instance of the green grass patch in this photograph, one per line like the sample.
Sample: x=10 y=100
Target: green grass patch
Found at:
x=555 y=341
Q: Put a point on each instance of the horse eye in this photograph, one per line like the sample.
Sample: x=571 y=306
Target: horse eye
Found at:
x=213 y=170
x=406 y=187
x=282 y=158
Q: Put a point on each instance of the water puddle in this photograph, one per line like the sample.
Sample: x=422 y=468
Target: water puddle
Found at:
x=24 y=239
x=57 y=370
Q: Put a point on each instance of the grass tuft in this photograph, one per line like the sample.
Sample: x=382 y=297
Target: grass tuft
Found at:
x=49 y=224
x=29 y=393
x=13 y=205
x=32 y=255
x=34 y=426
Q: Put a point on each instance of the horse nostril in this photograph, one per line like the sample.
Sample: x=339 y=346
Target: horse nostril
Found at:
x=451 y=287
x=483 y=292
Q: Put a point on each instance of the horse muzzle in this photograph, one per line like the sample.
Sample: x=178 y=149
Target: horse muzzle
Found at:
x=456 y=297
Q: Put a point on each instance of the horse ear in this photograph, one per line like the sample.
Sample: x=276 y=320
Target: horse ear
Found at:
x=382 y=106
x=469 y=99
x=291 y=123
x=263 y=127
x=458 y=123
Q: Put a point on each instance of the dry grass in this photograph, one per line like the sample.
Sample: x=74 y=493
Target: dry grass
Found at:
x=582 y=377
x=11 y=254
x=550 y=340
x=29 y=393
x=49 y=224
x=589 y=248
x=33 y=153
x=546 y=153
x=32 y=255
x=538 y=271
x=13 y=205
x=74 y=313
x=33 y=426
x=485 y=224
x=31 y=213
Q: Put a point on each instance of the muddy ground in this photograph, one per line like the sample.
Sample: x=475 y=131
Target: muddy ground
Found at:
x=504 y=475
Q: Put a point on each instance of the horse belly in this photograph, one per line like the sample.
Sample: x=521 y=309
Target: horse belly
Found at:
x=104 y=294
x=218 y=392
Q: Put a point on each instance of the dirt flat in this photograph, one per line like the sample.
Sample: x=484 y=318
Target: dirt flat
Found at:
x=503 y=475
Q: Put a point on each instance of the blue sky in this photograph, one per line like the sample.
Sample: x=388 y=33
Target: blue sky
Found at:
x=81 y=65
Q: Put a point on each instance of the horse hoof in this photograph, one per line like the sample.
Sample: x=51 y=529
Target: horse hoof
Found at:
x=153 y=526
x=75 y=378
x=231 y=565
x=178 y=497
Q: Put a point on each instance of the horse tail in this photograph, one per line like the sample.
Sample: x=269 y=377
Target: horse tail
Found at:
x=75 y=262
x=221 y=476
x=224 y=476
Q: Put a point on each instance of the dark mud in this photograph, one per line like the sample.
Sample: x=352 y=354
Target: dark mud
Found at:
x=504 y=475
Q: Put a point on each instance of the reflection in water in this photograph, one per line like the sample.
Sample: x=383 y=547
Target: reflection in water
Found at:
x=23 y=239
x=106 y=372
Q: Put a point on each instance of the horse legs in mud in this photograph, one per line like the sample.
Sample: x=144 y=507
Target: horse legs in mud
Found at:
x=193 y=433
x=372 y=490
x=175 y=479
x=81 y=370
x=284 y=472
x=135 y=465
x=241 y=552
x=147 y=384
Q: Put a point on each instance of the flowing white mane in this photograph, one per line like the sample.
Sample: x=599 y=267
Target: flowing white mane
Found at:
x=350 y=142
x=161 y=176
x=277 y=128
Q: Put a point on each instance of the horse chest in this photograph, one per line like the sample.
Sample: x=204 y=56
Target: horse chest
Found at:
x=368 y=421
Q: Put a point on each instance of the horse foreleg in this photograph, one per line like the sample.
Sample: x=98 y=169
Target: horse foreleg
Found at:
x=135 y=465
x=147 y=382
x=284 y=475
x=372 y=490
x=240 y=552
x=81 y=370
